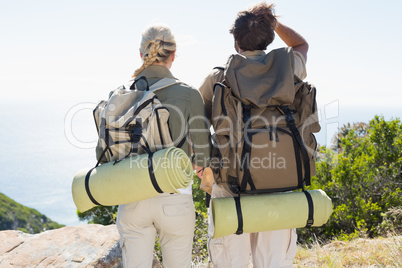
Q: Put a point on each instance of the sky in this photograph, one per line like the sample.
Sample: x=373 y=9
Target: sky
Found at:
x=80 y=50
x=73 y=53
x=83 y=49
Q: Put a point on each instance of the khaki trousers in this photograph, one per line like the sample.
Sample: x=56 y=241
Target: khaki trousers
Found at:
x=267 y=249
x=172 y=216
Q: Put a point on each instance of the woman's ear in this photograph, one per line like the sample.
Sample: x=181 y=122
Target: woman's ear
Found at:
x=141 y=54
x=173 y=56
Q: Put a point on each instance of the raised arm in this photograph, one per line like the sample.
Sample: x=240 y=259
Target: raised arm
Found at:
x=292 y=38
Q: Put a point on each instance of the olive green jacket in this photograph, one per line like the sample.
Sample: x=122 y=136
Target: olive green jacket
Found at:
x=187 y=115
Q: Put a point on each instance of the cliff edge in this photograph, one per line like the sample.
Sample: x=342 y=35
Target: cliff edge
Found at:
x=79 y=246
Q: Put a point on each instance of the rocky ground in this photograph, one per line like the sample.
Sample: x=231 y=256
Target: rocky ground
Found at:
x=80 y=246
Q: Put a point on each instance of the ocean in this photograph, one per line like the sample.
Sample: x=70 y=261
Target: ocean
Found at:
x=38 y=161
x=44 y=144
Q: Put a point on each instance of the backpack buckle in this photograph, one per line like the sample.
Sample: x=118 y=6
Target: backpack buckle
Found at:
x=288 y=115
x=141 y=87
x=239 y=232
x=310 y=223
x=135 y=133
x=289 y=119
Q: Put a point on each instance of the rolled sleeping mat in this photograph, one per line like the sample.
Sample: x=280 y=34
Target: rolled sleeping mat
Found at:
x=269 y=212
x=132 y=179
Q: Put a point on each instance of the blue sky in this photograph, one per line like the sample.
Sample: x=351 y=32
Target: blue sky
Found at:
x=82 y=49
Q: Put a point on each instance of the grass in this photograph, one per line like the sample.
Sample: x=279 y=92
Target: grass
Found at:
x=378 y=252
x=361 y=252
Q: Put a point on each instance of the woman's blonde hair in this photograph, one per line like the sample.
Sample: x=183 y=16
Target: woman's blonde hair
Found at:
x=157 y=44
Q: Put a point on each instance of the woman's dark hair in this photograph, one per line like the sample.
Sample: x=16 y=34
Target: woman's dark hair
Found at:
x=253 y=29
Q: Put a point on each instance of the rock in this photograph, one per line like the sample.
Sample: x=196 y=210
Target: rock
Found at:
x=90 y=245
x=80 y=246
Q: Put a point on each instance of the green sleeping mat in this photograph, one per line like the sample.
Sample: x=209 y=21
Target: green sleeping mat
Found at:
x=129 y=180
x=269 y=212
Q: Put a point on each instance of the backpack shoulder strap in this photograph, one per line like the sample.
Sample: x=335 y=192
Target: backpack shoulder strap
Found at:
x=160 y=84
x=219 y=68
x=163 y=83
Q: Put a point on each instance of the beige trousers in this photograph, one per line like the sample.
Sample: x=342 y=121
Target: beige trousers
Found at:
x=172 y=216
x=267 y=249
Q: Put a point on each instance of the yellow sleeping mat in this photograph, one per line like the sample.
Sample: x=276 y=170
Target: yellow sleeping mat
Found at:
x=268 y=212
x=129 y=180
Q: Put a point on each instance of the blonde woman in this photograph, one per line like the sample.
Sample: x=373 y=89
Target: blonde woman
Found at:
x=172 y=216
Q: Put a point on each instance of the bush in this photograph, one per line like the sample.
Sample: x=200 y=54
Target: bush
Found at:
x=99 y=215
x=362 y=175
x=14 y=216
x=200 y=251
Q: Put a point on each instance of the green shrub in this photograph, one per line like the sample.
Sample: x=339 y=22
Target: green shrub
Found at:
x=200 y=251
x=362 y=175
x=14 y=216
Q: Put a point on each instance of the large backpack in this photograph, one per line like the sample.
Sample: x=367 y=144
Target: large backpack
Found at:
x=132 y=121
x=264 y=118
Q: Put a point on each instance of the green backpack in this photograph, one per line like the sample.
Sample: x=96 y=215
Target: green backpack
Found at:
x=264 y=118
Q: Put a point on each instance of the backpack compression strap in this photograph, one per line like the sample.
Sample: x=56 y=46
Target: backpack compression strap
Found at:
x=246 y=154
x=136 y=136
x=296 y=133
x=152 y=174
x=239 y=230
x=310 y=220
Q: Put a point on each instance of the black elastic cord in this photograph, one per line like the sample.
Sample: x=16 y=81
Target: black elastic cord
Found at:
x=89 y=175
x=310 y=220
x=87 y=187
x=152 y=175
x=239 y=230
